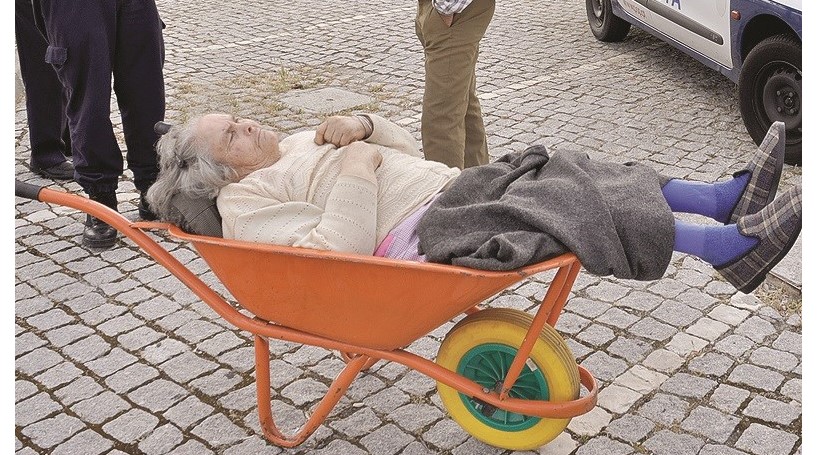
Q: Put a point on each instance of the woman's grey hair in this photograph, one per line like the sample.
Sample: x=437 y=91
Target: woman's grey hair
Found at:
x=186 y=167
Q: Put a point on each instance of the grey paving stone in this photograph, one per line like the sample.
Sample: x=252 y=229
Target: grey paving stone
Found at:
x=114 y=361
x=663 y=360
x=596 y=335
x=602 y=445
x=187 y=366
x=257 y=446
x=630 y=428
x=219 y=430
x=59 y=375
x=163 y=350
x=603 y=366
x=188 y=412
x=131 y=377
x=773 y=411
x=120 y=324
x=712 y=449
x=711 y=364
x=222 y=342
x=386 y=400
x=586 y=307
x=364 y=387
x=158 y=395
x=242 y=399
x=617 y=399
x=728 y=315
x=37 y=360
x=217 y=383
x=754 y=376
x=100 y=408
x=191 y=447
x=668 y=287
x=416 y=383
x=571 y=323
x=578 y=349
x=388 y=439
x=131 y=426
x=641 y=379
x=87 y=442
x=23 y=389
x=87 y=349
x=139 y=338
x=788 y=341
x=756 y=329
x=50 y=432
x=641 y=301
x=618 y=318
x=734 y=345
x=792 y=389
x=27 y=342
x=414 y=417
x=590 y=423
x=358 y=424
x=102 y=313
x=304 y=391
x=652 y=329
x=711 y=424
x=445 y=435
x=65 y=335
x=666 y=442
x=685 y=344
x=664 y=409
x=779 y=360
x=417 y=448
x=676 y=314
x=728 y=398
x=708 y=329
x=156 y=308
x=340 y=446
x=632 y=350
x=689 y=386
x=34 y=409
x=762 y=440
x=79 y=389
x=50 y=319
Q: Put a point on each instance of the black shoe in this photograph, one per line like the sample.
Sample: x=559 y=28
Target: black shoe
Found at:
x=62 y=171
x=99 y=234
x=145 y=211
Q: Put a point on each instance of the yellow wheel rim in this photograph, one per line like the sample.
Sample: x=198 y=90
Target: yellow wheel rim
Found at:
x=550 y=363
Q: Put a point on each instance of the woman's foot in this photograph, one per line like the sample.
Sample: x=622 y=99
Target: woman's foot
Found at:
x=765 y=172
x=776 y=227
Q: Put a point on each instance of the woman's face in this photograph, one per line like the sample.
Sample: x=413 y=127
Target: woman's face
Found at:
x=242 y=144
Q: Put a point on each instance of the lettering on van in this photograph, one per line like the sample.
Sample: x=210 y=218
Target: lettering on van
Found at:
x=635 y=10
x=677 y=3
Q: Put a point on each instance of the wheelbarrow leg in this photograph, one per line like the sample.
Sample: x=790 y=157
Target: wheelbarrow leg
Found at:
x=265 y=412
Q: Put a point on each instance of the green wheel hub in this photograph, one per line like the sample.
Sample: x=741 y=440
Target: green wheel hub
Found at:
x=487 y=365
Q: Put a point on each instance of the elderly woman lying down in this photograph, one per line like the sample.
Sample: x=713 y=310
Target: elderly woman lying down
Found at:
x=359 y=184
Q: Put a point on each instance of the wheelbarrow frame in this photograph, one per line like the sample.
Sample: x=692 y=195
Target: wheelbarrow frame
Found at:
x=358 y=356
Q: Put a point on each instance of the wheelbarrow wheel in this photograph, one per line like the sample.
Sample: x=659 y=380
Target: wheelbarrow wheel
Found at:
x=481 y=347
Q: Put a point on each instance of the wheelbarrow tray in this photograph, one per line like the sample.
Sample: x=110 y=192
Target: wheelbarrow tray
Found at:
x=372 y=302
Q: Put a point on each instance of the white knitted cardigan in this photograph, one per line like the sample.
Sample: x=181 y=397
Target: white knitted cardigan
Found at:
x=302 y=201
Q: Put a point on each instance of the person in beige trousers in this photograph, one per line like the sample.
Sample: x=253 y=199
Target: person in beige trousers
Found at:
x=452 y=123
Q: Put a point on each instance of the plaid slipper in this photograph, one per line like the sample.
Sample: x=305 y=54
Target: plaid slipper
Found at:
x=765 y=169
x=777 y=227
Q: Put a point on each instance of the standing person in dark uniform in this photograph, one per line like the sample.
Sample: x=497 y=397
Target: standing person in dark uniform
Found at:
x=45 y=101
x=88 y=42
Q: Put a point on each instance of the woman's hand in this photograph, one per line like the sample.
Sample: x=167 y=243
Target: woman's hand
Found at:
x=361 y=159
x=340 y=131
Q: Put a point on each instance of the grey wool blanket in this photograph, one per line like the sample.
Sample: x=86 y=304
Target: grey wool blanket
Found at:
x=526 y=208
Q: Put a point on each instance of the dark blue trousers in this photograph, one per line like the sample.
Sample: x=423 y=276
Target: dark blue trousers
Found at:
x=89 y=42
x=45 y=103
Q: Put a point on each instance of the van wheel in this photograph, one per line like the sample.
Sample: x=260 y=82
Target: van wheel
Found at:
x=770 y=91
x=604 y=25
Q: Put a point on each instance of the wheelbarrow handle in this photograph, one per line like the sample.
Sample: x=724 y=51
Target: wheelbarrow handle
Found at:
x=27 y=190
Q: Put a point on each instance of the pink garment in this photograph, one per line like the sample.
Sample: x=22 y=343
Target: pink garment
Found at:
x=402 y=241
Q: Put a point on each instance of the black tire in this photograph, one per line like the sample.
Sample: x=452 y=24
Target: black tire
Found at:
x=604 y=25
x=770 y=90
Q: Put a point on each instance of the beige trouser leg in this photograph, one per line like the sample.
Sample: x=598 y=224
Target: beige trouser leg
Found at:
x=452 y=123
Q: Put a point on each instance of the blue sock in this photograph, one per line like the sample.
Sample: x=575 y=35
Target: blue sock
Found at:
x=716 y=245
x=713 y=200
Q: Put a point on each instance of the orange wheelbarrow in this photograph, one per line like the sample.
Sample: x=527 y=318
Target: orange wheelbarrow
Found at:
x=505 y=376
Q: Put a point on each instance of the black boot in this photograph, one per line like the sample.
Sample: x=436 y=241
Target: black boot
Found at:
x=145 y=211
x=98 y=234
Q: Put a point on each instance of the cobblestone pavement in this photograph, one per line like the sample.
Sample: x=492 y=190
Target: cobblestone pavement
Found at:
x=114 y=355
